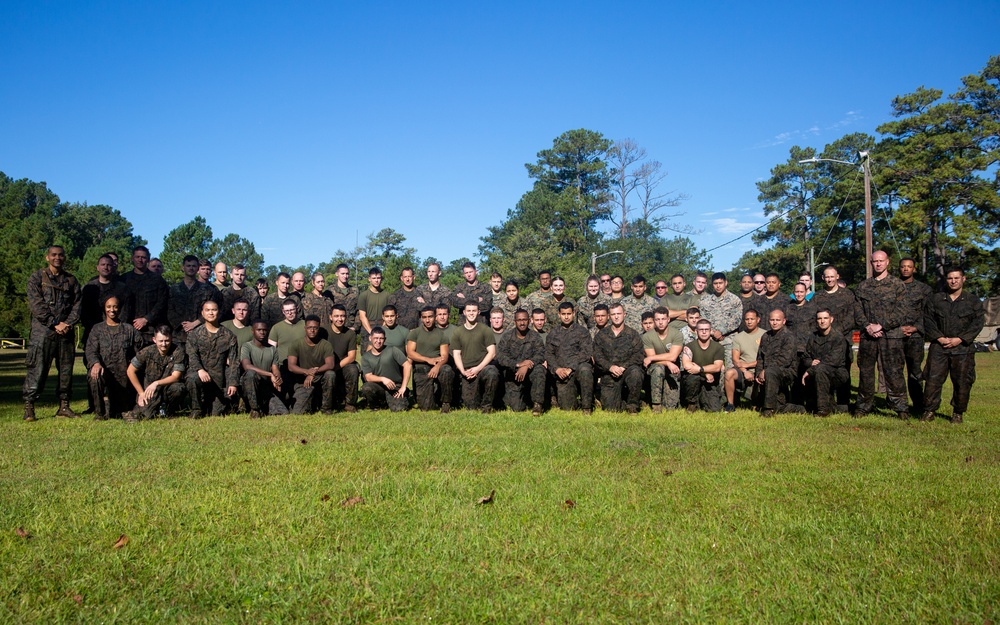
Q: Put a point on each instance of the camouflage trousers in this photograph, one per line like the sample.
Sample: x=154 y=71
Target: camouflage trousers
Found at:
x=581 y=379
x=120 y=398
x=518 y=396
x=345 y=390
x=431 y=392
x=822 y=385
x=482 y=389
x=304 y=397
x=165 y=401
x=913 y=356
x=260 y=394
x=697 y=391
x=378 y=396
x=778 y=384
x=207 y=398
x=625 y=390
x=941 y=364
x=664 y=387
x=891 y=353
x=41 y=352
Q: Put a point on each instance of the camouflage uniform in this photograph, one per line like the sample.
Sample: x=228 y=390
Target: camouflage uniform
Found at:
x=678 y=302
x=882 y=302
x=767 y=305
x=113 y=347
x=271 y=308
x=585 y=309
x=841 y=305
x=913 y=345
x=634 y=307
x=407 y=307
x=155 y=366
x=962 y=318
x=778 y=359
x=442 y=295
x=753 y=301
x=348 y=298
x=535 y=299
x=52 y=299
x=623 y=350
x=511 y=350
x=801 y=320
x=833 y=370
x=479 y=293
x=185 y=305
x=218 y=354
x=93 y=295
x=571 y=348
x=510 y=309
x=551 y=307
x=319 y=305
x=726 y=314
x=229 y=296
x=150 y=296
x=664 y=386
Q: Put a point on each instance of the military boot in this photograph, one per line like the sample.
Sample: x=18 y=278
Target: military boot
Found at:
x=65 y=410
x=29 y=411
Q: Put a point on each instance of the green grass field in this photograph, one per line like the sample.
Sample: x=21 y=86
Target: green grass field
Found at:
x=609 y=518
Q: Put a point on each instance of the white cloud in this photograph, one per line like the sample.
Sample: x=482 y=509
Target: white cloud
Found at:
x=728 y=225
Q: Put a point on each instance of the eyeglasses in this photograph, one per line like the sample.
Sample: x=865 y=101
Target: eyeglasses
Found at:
x=758 y=282
x=661 y=287
x=603 y=280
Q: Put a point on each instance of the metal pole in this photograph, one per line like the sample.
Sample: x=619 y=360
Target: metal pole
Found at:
x=868 y=213
x=812 y=268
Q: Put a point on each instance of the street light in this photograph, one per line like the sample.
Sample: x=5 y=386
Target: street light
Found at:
x=865 y=165
x=594 y=256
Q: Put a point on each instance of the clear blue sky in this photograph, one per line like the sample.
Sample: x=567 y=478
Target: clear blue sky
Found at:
x=302 y=126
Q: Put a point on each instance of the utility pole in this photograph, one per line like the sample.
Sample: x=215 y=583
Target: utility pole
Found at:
x=594 y=256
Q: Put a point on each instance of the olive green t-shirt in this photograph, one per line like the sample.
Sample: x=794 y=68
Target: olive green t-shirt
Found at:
x=386 y=364
x=284 y=334
x=310 y=356
x=428 y=343
x=472 y=343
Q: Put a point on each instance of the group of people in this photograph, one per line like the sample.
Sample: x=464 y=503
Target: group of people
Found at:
x=212 y=343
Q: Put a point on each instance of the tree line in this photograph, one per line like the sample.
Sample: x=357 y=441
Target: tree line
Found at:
x=937 y=199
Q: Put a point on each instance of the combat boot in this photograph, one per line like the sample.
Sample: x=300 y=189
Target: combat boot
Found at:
x=65 y=410
x=29 y=411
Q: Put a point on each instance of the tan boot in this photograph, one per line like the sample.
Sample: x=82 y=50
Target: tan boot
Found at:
x=65 y=410
x=29 y=411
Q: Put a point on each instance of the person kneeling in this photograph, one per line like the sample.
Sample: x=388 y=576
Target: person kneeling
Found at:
x=311 y=361
x=162 y=366
x=703 y=362
x=386 y=371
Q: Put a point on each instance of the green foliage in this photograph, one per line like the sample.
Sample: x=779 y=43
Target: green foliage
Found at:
x=647 y=253
x=385 y=249
x=33 y=218
x=195 y=238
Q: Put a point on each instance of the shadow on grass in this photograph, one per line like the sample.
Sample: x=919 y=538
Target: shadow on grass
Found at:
x=12 y=379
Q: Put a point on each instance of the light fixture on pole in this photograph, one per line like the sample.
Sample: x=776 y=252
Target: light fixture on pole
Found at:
x=594 y=256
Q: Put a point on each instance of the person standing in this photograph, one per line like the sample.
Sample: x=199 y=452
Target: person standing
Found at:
x=433 y=293
x=371 y=301
x=635 y=304
x=54 y=300
x=952 y=320
x=472 y=291
x=186 y=299
x=917 y=293
x=725 y=311
x=346 y=295
x=880 y=314
x=238 y=289
x=150 y=294
x=405 y=300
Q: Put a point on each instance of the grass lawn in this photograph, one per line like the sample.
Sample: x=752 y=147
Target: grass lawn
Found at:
x=608 y=518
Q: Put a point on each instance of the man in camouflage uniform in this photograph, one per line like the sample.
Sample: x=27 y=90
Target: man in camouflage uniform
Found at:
x=618 y=355
x=54 y=299
x=405 y=300
x=773 y=298
x=93 y=295
x=521 y=357
x=601 y=318
x=550 y=303
x=635 y=304
x=568 y=353
x=150 y=295
x=879 y=313
x=913 y=331
x=662 y=349
x=472 y=290
x=213 y=364
x=110 y=347
x=162 y=367
x=725 y=311
x=826 y=363
x=952 y=320
x=427 y=349
x=433 y=293
x=186 y=299
x=535 y=298
x=238 y=289
x=347 y=296
x=275 y=301
x=838 y=300
x=800 y=314
x=777 y=366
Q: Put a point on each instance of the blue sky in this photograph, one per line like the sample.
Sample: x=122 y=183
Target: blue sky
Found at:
x=305 y=126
